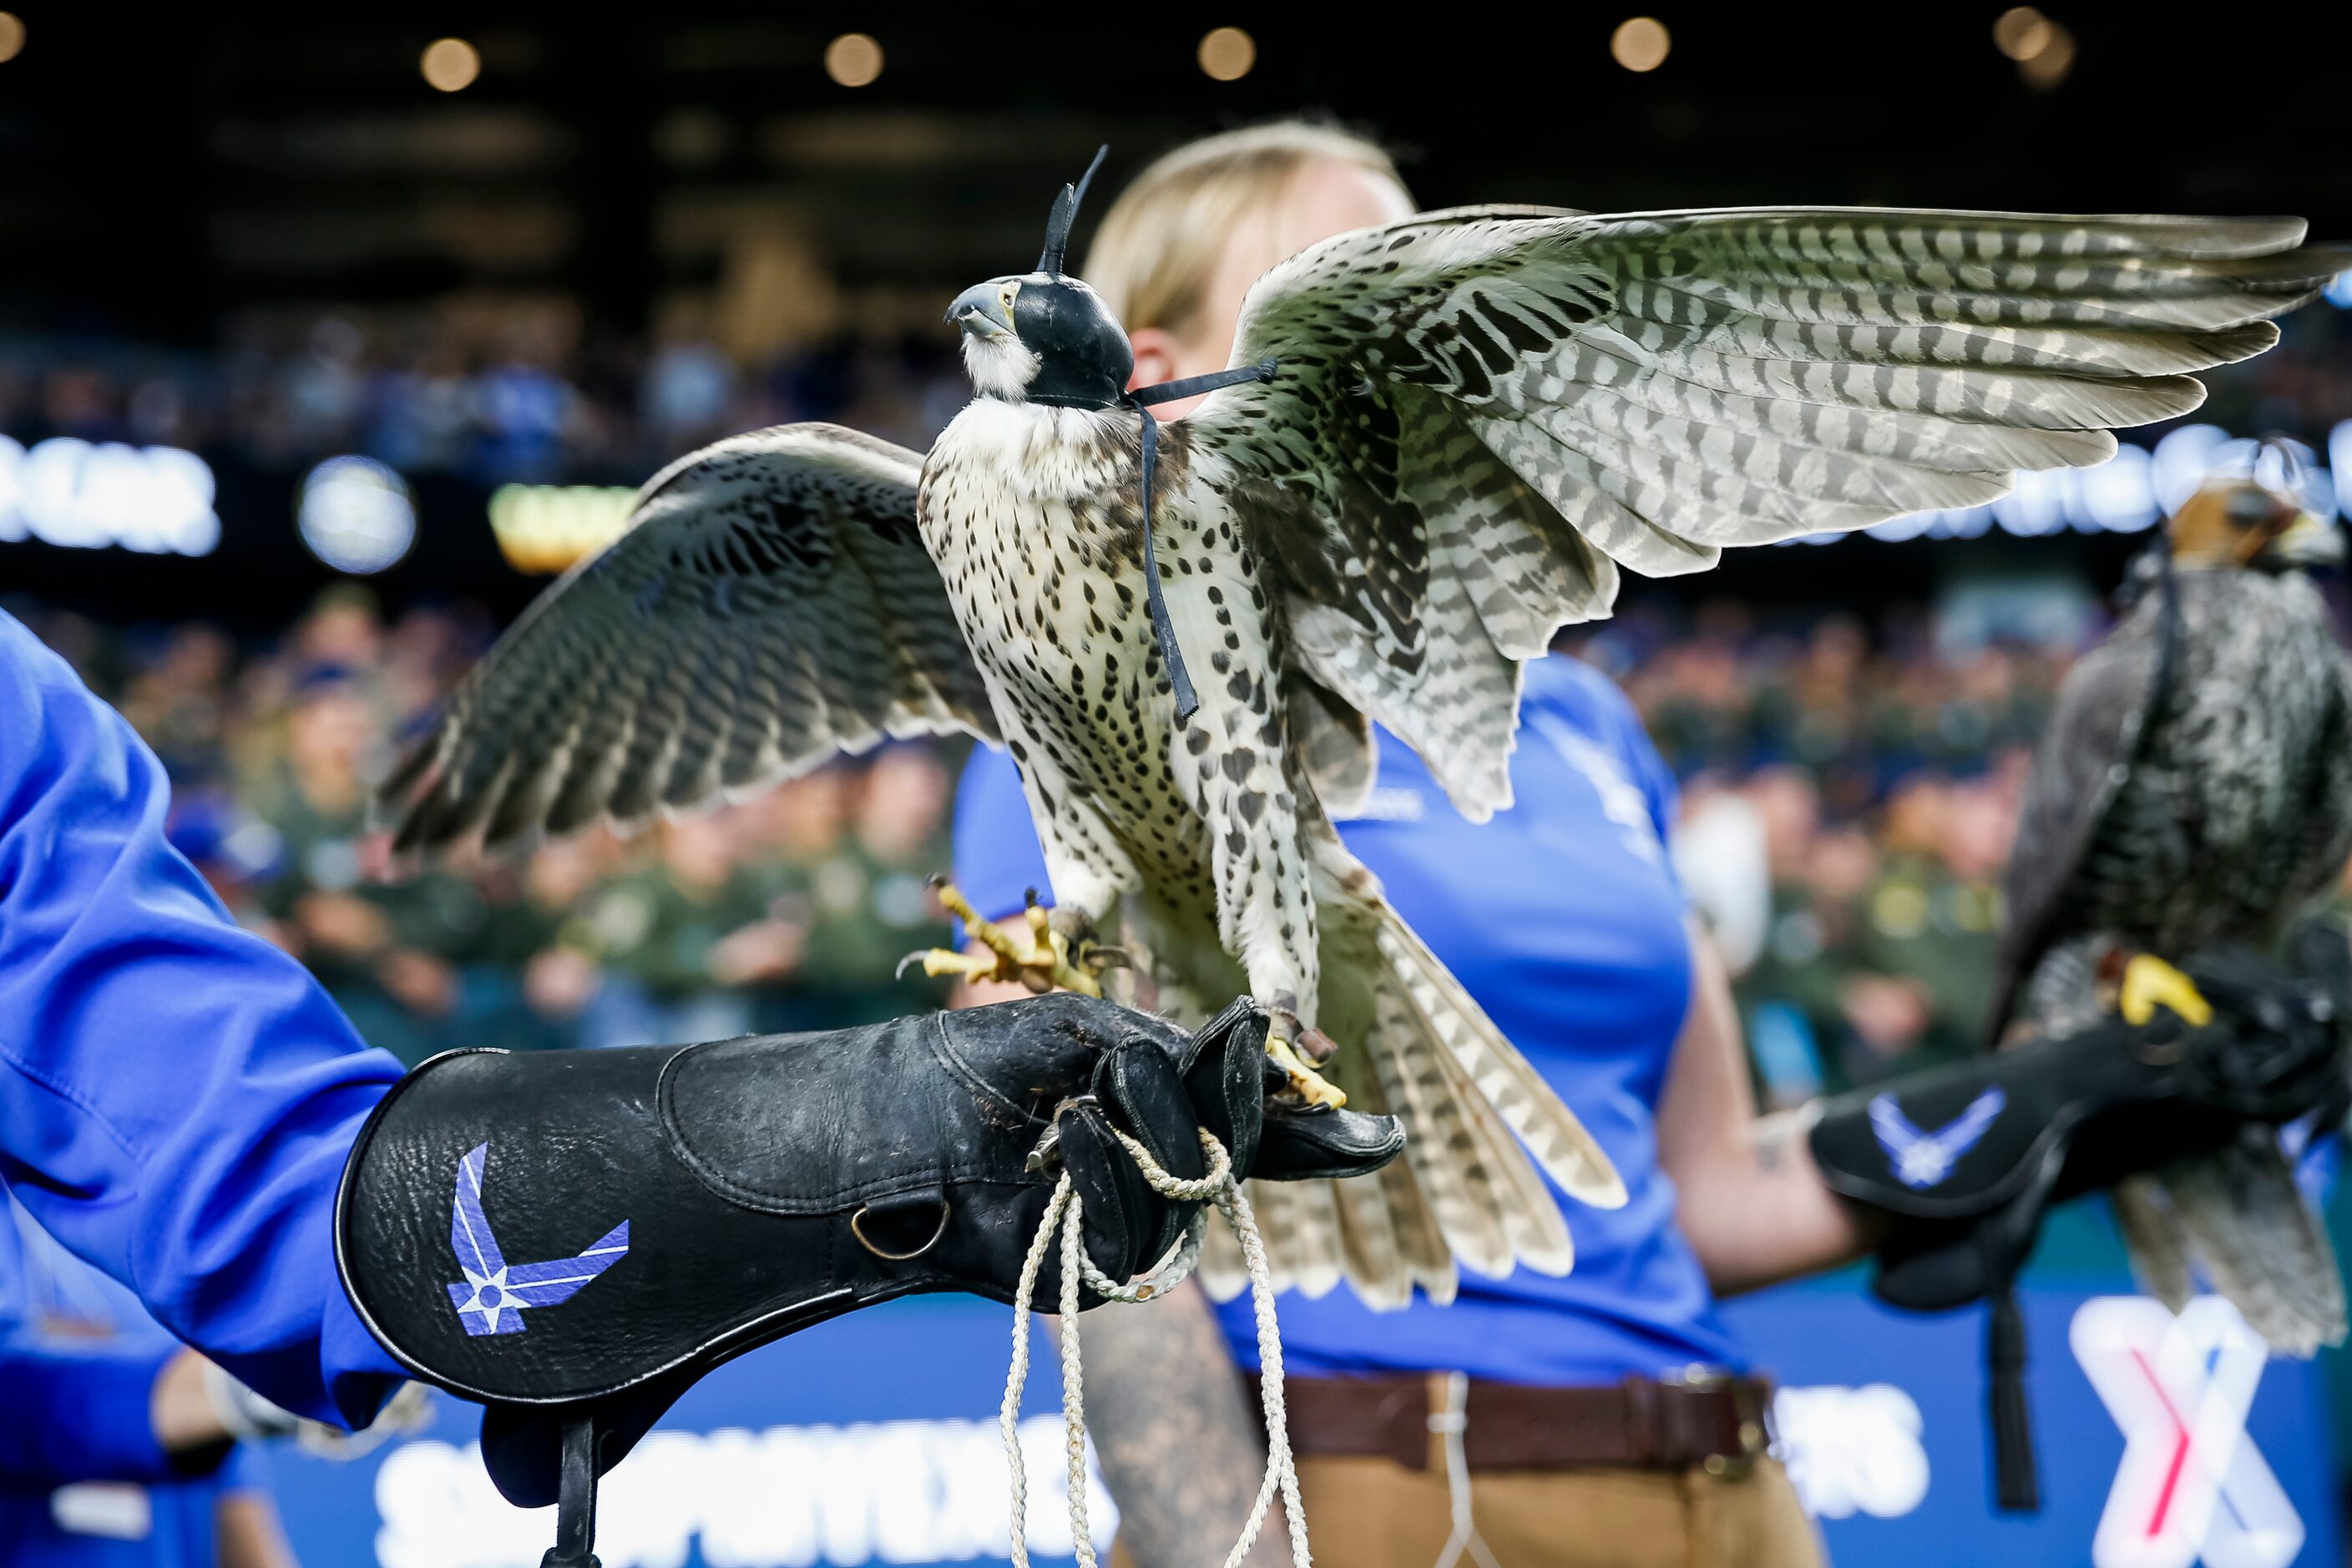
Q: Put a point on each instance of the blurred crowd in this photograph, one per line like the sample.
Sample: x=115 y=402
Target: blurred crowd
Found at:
x=1849 y=794
x=790 y=911
x=503 y=391
x=520 y=403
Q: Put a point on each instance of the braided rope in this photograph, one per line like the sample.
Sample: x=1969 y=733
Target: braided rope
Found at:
x=1066 y=1210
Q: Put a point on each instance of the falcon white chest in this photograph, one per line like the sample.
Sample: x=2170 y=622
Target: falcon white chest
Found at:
x=1033 y=517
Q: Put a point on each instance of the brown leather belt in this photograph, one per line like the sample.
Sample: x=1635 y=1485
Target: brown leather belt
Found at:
x=1703 y=1417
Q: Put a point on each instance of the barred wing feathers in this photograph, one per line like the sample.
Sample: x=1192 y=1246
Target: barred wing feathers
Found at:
x=770 y=605
x=1482 y=414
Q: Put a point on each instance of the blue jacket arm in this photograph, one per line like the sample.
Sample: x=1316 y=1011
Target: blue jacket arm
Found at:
x=176 y=1096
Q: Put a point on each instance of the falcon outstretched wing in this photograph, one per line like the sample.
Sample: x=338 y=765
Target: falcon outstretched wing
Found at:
x=770 y=605
x=1482 y=414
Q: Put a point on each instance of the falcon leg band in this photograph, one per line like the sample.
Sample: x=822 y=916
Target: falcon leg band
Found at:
x=1967 y=1158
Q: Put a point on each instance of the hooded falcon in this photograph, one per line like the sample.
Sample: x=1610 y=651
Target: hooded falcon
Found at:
x=2194 y=788
x=1477 y=418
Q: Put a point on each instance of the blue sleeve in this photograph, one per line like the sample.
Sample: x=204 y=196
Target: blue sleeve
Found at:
x=79 y=1413
x=997 y=856
x=243 y=1470
x=177 y=1096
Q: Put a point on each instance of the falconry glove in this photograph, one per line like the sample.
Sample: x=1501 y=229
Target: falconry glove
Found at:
x=1968 y=1157
x=738 y=1191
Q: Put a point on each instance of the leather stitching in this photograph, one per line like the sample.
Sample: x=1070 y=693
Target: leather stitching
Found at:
x=943 y=1049
x=830 y=1201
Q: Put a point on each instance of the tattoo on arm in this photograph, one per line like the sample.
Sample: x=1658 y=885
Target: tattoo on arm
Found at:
x=1179 y=1450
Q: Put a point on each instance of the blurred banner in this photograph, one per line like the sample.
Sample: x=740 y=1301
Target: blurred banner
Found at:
x=873 y=1440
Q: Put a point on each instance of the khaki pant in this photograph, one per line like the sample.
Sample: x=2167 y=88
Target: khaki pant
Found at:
x=1375 y=1513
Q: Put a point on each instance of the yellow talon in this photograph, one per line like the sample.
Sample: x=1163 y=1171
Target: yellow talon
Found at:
x=2149 y=982
x=1042 y=962
x=939 y=961
x=1312 y=1086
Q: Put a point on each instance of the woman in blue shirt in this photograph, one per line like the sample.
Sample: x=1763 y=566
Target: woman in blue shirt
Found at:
x=1602 y=1416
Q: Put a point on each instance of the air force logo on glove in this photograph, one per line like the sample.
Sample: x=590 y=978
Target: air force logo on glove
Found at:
x=1922 y=1159
x=494 y=1294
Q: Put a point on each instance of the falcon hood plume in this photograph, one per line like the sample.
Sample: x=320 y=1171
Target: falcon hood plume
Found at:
x=1045 y=338
x=1481 y=417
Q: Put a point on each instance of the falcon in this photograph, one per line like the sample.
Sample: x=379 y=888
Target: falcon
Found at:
x=2194 y=789
x=1475 y=418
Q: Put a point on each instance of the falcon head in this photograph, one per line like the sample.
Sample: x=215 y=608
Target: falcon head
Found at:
x=1044 y=337
x=2237 y=522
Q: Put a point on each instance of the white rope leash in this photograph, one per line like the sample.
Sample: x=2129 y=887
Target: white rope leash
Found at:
x=1067 y=1210
x=1451 y=1424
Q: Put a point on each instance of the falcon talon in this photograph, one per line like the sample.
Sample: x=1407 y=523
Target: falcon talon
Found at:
x=2150 y=982
x=1310 y=1085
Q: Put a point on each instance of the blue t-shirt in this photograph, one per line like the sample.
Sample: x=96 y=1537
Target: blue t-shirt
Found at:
x=1563 y=917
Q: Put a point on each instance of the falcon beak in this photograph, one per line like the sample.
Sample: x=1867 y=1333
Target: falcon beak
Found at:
x=984 y=310
x=2310 y=541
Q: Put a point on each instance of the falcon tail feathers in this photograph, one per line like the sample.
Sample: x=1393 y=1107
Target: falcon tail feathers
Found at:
x=2246 y=1222
x=1553 y=1135
x=1467 y=1193
x=2159 y=1253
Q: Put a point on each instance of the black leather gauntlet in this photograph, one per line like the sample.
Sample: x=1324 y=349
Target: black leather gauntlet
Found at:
x=574 y=1238
x=1968 y=1157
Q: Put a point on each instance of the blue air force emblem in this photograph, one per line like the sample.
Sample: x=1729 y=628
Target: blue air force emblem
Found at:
x=1924 y=1159
x=495 y=1293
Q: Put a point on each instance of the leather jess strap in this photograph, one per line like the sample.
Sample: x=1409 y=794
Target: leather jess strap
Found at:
x=1704 y=1418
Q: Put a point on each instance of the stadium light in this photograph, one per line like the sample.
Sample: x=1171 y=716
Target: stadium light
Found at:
x=93 y=494
x=2047 y=69
x=450 y=65
x=82 y=495
x=354 y=514
x=545 y=528
x=2021 y=32
x=853 y=59
x=12 y=36
x=1227 y=54
x=1640 y=44
x=2043 y=49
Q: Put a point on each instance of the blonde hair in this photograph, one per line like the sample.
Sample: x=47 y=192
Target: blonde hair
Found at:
x=1158 y=246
